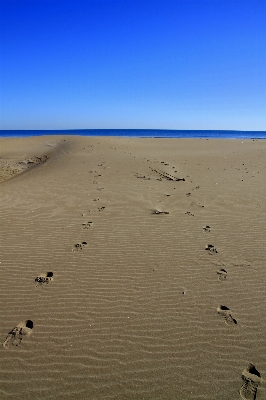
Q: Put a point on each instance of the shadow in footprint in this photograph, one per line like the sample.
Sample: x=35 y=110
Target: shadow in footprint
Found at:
x=14 y=337
x=251 y=379
x=44 y=278
x=222 y=274
x=226 y=314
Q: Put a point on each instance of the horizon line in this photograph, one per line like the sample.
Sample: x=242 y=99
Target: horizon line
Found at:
x=135 y=129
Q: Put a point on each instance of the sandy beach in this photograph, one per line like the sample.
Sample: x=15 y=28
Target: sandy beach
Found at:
x=157 y=253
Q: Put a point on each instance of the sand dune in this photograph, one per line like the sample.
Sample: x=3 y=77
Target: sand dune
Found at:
x=139 y=305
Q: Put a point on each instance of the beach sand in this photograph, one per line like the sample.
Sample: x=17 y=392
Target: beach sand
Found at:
x=157 y=248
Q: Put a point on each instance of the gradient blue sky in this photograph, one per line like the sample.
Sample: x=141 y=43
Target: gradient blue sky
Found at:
x=159 y=64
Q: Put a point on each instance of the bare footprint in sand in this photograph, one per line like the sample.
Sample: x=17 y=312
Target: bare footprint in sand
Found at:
x=226 y=314
x=44 y=279
x=14 y=337
x=79 y=246
x=251 y=380
x=86 y=225
x=211 y=249
x=222 y=274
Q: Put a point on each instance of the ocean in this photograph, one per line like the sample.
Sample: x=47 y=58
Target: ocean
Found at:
x=139 y=133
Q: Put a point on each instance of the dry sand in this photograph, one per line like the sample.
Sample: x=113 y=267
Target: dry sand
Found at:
x=158 y=287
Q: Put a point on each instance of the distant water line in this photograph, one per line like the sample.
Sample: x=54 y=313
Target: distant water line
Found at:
x=139 y=133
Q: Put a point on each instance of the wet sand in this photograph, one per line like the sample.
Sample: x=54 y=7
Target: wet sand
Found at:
x=157 y=254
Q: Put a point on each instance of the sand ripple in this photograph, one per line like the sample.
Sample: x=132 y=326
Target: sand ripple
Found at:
x=133 y=314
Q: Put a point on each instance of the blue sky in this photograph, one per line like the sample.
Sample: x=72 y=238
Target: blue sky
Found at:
x=158 y=64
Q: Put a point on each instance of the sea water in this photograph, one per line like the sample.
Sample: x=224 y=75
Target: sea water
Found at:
x=140 y=133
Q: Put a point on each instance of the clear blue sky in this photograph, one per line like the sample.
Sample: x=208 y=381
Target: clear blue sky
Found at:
x=159 y=64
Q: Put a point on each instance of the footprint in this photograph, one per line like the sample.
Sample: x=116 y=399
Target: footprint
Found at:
x=44 y=278
x=226 y=314
x=189 y=213
x=79 y=246
x=86 y=225
x=206 y=228
x=14 y=337
x=85 y=214
x=222 y=274
x=251 y=380
x=211 y=249
x=140 y=176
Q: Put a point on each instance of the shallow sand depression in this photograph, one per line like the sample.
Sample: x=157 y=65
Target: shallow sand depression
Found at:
x=157 y=253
